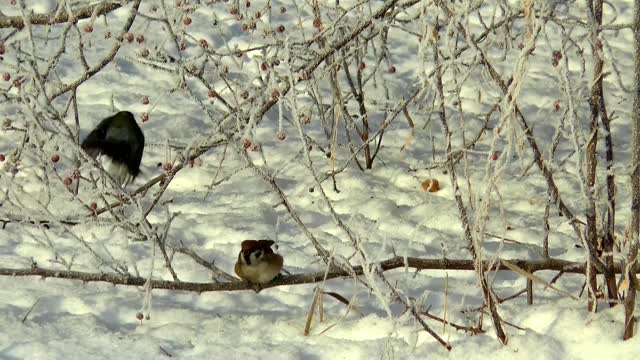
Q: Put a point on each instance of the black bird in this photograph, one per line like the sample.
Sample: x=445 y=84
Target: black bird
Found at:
x=117 y=142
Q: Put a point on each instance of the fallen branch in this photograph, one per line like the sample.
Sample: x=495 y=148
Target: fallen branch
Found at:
x=308 y=278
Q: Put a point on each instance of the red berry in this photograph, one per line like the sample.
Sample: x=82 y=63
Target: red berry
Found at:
x=280 y=135
x=204 y=44
x=145 y=117
x=145 y=100
x=167 y=167
x=362 y=66
x=254 y=147
x=68 y=181
x=88 y=29
x=494 y=156
x=6 y=77
x=392 y=70
x=129 y=37
x=187 y=21
x=317 y=23
x=2 y=157
x=280 y=28
x=246 y=143
x=264 y=67
x=557 y=54
x=140 y=39
x=2 y=49
x=55 y=158
x=212 y=93
x=12 y=2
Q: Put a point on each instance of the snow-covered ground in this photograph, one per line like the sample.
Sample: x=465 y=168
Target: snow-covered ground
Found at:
x=385 y=208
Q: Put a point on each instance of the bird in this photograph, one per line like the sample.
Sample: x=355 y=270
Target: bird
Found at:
x=257 y=263
x=117 y=142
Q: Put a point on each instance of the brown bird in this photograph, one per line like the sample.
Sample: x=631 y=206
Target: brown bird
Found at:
x=257 y=263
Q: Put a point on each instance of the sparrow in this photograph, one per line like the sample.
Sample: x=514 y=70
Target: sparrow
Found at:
x=257 y=263
x=117 y=143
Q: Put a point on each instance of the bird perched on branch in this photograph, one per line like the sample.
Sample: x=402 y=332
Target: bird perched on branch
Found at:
x=257 y=263
x=117 y=142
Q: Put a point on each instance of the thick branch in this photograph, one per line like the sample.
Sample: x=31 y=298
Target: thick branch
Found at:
x=308 y=278
x=59 y=17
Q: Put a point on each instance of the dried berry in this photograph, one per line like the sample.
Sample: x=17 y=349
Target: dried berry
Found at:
x=431 y=185
x=280 y=135
x=68 y=181
x=55 y=158
x=280 y=28
x=145 y=100
x=186 y=21
x=204 y=44
x=212 y=93
x=392 y=70
x=88 y=29
x=2 y=158
x=140 y=39
x=317 y=23
x=129 y=37
x=145 y=117
x=6 y=77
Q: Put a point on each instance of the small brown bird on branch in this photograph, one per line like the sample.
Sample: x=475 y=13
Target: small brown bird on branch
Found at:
x=257 y=263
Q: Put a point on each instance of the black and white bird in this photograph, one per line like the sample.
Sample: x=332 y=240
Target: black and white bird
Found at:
x=117 y=143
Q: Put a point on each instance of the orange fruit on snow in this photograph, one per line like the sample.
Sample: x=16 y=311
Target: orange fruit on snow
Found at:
x=431 y=185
